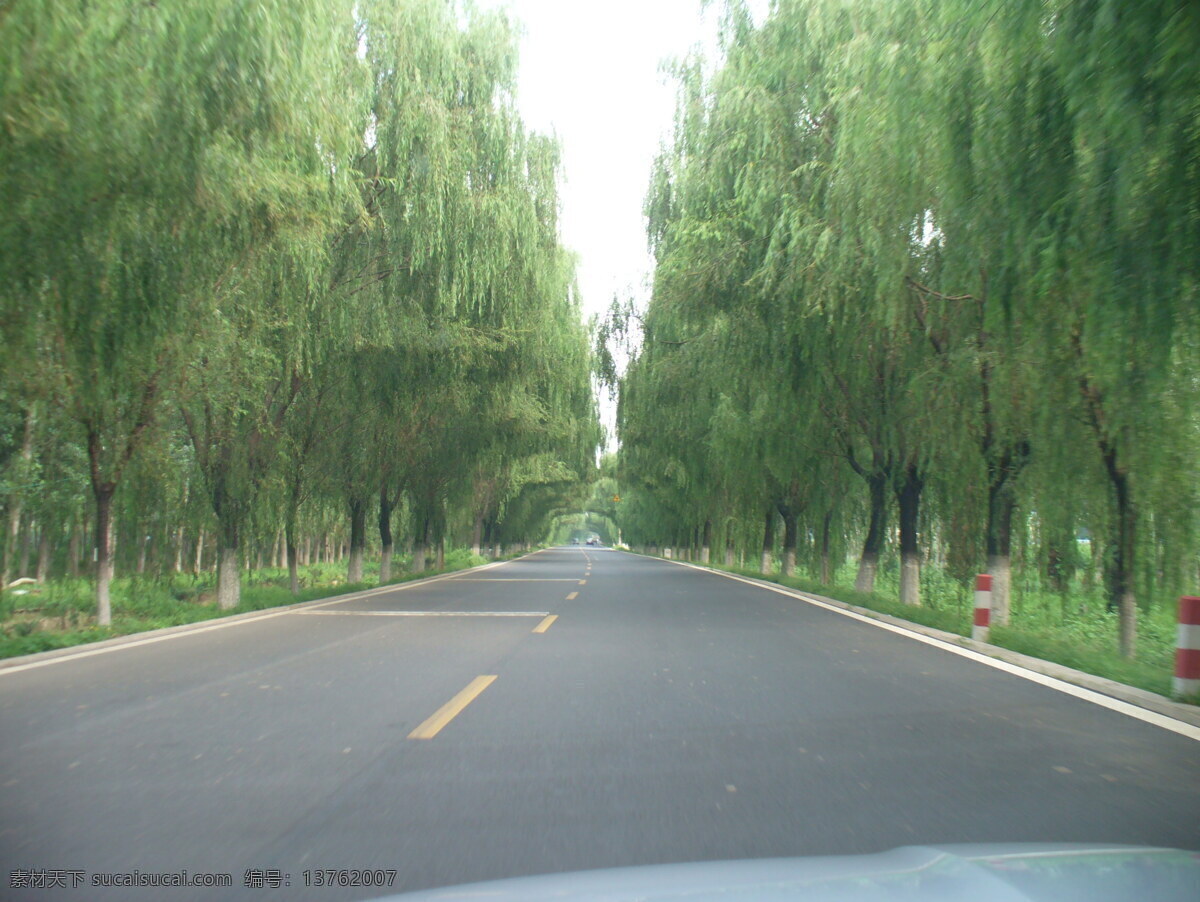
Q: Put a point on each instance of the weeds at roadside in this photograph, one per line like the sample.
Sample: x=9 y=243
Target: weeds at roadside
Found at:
x=60 y=613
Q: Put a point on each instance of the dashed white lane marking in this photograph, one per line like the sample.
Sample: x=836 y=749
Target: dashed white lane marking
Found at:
x=180 y=632
x=423 y=613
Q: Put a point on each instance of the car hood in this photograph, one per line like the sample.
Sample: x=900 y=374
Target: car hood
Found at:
x=980 y=873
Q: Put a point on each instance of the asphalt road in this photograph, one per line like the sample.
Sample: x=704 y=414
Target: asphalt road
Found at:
x=666 y=714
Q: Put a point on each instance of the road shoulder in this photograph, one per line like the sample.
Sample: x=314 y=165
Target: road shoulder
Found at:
x=1186 y=715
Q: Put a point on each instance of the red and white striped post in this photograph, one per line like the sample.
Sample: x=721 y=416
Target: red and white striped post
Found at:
x=983 y=607
x=1187 y=647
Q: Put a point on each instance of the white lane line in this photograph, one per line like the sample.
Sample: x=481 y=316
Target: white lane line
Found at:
x=189 y=630
x=423 y=613
x=1087 y=695
x=507 y=579
x=17 y=668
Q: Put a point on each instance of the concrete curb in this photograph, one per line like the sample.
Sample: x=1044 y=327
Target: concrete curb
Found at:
x=24 y=661
x=1150 y=701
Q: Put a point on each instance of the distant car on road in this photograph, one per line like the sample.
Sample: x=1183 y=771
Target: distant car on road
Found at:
x=593 y=541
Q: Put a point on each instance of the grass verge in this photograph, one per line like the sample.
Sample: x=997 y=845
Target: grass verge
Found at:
x=57 y=616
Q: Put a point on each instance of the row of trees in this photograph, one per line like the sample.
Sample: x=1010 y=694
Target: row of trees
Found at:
x=936 y=260
x=265 y=261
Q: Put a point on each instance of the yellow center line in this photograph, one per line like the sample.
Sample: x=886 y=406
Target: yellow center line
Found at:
x=572 y=596
x=583 y=582
x=452 y=708
x=545 y=624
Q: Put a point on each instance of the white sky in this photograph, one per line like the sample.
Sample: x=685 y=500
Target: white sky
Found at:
x=590 y=74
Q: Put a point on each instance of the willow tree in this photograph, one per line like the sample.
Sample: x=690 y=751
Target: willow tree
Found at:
x=953 y=223
x=758 y=214
x=175 y=137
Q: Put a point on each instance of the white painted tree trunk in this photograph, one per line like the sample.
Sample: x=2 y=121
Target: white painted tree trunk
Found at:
x=104 y=575
x=385 y=564
x=1000 y=569
x=1128 y=624
x=418 y=558
x=104 y=553
x=865 y=580
x=16 y=500
x=43 y=561
x=229 y=579
x=767 y=563
x=910 y=579
x=354 y=570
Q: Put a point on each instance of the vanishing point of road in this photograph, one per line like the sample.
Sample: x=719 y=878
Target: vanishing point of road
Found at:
x=575 y=708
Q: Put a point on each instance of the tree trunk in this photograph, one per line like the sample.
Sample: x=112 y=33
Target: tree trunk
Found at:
x=16 y=498
x=421 y=548
x=229 y=577
x=199 y=551
x=826 y=525
x=104 y=569
x=1120 y=575
x=358 y=540
x=12 y=538
x=293 y=563
x=179 y=549
x=143 y=546
x=789 y=538
x=385 y=536
x=477 y=535
x=1001 y=502
x=868 y=564
x=26 y=544
x=1002 y=471
x=729 y=549
x=908 y=496
x=43 y=560
x=441 y=553
x=113 y=534
x=768 y=546
x=73 y=549
x=706 y=542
